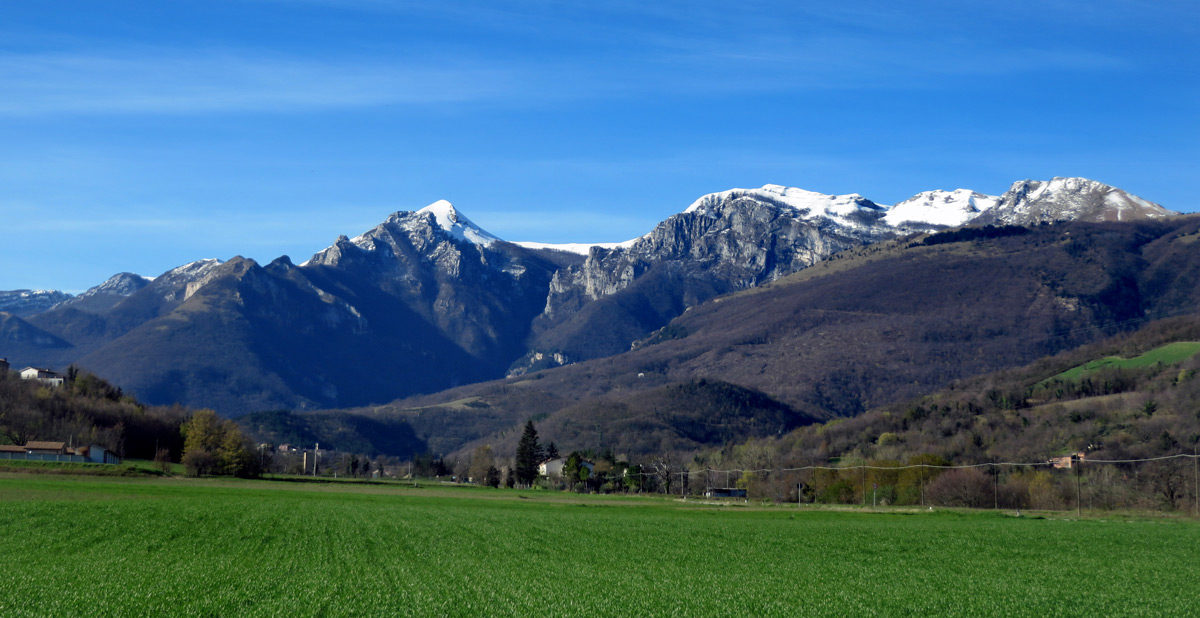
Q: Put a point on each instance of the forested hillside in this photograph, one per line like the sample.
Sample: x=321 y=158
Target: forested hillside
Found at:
x=87 y=410
x=1030 y=413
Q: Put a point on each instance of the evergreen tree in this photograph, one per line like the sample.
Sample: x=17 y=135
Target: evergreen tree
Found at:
x=571 y=468
x=529 y=454
x=551 y=451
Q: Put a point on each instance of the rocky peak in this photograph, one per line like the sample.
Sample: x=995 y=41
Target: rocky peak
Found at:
x=105 y=296
x=237 y=267
x=458 y=226
x=173 y=284
x=120 y=284
x=1030 y=202
x=425 y=231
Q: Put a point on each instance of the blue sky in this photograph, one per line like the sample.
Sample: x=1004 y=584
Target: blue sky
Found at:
x=138 y=136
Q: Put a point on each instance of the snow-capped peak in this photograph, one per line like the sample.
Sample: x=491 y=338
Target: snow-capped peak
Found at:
x=120 y=284
x=1077 y=199
x=191 y=269
x=812 y=202
x=456 y=224
x=948 y=208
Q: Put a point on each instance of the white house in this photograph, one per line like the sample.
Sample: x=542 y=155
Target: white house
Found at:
x=554 y=467
x=44 y=376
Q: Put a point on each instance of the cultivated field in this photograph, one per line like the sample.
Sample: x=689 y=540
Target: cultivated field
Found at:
x=159 y=547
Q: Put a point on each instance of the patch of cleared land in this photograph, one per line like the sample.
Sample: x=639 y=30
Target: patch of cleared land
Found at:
x=1169 y=354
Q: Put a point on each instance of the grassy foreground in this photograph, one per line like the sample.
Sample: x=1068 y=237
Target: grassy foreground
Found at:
x=160 y=547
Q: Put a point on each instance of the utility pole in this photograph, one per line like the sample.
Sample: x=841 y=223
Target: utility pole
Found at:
x=316 y=455
x=995 y=485
x=1196 y=479
x=863 y=470
x=1079 y=490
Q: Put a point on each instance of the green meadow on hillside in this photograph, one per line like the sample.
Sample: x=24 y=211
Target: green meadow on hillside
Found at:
x=163 y=547
x=1169 y=354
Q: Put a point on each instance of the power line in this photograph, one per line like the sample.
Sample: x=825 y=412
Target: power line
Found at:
x=997 y=464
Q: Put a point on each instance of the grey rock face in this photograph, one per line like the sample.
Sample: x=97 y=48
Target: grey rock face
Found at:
x=740 y=241
x=481 y=295
x=724 y=243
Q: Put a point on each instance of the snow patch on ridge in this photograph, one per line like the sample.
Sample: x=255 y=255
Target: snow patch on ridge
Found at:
x=577 y=247
x=945 y=208
x=808 y=204
x=799 y=199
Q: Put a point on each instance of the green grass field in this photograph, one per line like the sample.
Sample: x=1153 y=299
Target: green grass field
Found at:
x=162 y=547
x=1169 y=354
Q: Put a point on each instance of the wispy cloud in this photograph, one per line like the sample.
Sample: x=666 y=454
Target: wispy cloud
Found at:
x=605 y=61
x=172 y=82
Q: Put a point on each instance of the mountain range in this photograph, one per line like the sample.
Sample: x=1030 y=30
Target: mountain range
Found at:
x=870 y=328
x=428 y=301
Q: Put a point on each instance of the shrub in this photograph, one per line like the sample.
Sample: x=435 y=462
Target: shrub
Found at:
x=967 y=487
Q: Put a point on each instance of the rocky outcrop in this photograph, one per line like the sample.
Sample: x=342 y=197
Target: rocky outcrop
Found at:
x=1029 y=202
x=725 y=242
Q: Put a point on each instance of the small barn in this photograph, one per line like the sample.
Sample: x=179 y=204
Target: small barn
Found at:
x=1068 y=461
x=46 y=448
x=98 y=454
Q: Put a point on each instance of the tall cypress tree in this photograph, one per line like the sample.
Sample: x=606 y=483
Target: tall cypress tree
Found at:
x=529 y=452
